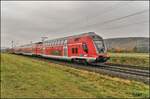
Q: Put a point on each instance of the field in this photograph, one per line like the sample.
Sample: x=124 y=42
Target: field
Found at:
x=23 y=77
x=137 y=59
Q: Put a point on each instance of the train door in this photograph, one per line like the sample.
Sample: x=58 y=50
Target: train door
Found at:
x=85 y=48
x=65 y=48
x=74 y=51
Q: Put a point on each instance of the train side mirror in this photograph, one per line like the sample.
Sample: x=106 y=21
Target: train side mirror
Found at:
x=85 y=48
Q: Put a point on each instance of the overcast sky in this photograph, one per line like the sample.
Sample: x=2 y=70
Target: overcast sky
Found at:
x=25 y=21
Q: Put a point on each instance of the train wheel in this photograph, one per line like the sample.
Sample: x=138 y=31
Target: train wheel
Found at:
x=73 y=61
x=84 y=62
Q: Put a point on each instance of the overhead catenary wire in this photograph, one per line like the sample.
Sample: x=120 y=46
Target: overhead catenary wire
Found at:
x=117 y=19
x=113 y=20
x=127 y=25
x=98 y=23
x=81 y=20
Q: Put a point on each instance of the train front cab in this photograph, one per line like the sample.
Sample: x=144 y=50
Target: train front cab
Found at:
x=101 y=50
x=87 y=48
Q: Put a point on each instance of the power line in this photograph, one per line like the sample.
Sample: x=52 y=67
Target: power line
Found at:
x=105 y=22
x=113 y=20
x=126 y=25
x=109 y=9
x=117 y=19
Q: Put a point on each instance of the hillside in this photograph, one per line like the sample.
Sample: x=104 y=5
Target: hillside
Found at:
x=23 y=77
x=139 y=44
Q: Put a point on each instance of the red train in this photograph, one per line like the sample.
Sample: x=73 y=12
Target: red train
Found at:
x=87 y=47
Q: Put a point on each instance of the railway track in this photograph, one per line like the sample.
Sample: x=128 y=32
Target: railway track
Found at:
x=129 y=66
x=128 y=70
x=111 y=70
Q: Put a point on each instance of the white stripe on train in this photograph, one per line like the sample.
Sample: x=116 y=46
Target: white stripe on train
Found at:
x=89 y=59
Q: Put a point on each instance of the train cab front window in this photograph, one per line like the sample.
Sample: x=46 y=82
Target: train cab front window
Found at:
x=100 y=46
x=99 y=43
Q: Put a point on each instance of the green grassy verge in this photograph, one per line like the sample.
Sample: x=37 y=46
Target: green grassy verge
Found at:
x=23 y=77
x=137 y=59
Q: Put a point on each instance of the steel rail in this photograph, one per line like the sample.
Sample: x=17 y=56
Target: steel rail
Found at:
x=127 y=70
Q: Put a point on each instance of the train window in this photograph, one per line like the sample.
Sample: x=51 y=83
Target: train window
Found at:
x=72 y=50
x=85 y=48
x=48 y=43
x=54 y=42
x=100 y=45
x=51 y=43
x=76 y=50
x=62 y=42
x=58 y=42
x=93 y=37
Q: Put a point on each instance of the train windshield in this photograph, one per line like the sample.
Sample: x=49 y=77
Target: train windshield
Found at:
x=99 y=44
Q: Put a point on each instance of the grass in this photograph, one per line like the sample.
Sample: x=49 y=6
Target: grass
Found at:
x=23 y=77
x=137 y=59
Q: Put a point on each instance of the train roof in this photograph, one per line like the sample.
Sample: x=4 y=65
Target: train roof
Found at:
x=28 y=44
x=74 y=36
x=83 y=34
x=64 y=38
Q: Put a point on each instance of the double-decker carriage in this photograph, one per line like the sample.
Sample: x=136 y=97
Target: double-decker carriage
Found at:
x=87 y=47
